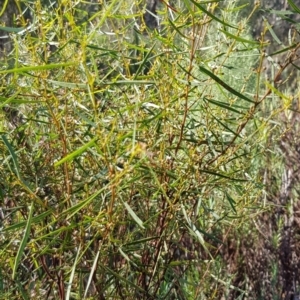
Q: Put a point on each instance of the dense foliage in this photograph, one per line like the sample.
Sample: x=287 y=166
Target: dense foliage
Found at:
x=135 y=156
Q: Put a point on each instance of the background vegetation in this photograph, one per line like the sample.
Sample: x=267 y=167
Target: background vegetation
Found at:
x=148 y=151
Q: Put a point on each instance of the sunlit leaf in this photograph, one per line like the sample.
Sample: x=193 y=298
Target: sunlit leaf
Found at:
x=77 y=152
x=133 y=215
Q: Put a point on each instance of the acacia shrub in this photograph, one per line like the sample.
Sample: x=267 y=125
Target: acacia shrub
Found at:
x=128 y=153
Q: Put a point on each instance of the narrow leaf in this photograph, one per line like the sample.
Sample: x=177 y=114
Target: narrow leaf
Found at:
x=142 y=241
x=283 y=50
x=275 y=37
x=13 y=156
x=69 y=84
x=222 y=175
x=194 y=230
x=130 y=82
x=231 y=202
x=239 y=39
x=225 y=126
x=23 y=242
x=18 y=101
x=34 y=220
x=294 y=6
x=122 y=278
x=143 y=62
x=4 y=4
x=223 y=105
x=276 y=91
x=176 y=29
x=279 y=12
x=126 y=256
x=22 y=290
x=94 y=266
x=38 y=68
x=224 y=85
x=297 y=67
x=68 y=294
x=134 y=216
x=12 y=29
x=76 y=153
x=70 y=212
x=211 y=15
